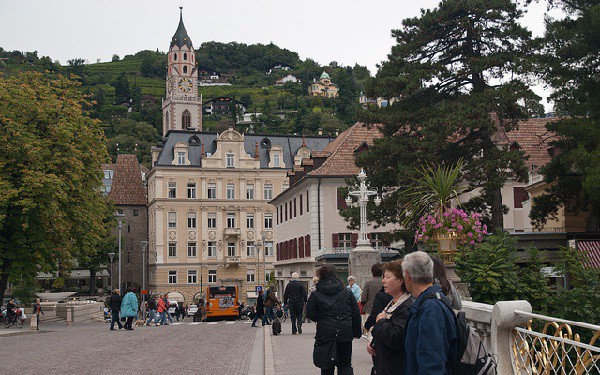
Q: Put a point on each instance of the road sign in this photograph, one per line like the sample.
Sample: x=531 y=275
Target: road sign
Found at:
x=144 y=291
x=258 y=288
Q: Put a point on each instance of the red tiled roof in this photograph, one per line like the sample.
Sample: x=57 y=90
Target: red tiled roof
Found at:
x=341 y=160
x=533 y=138
x=127 y=185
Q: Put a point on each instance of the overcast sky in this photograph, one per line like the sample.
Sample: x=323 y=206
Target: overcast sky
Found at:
x=346 y=31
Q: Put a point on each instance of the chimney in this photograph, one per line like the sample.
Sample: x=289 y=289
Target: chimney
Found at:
x=256 y=156
x=320 y=131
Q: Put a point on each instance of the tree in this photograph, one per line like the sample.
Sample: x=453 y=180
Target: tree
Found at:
x=456 y=72
x=51 y=207
x=133 y=137
x=122 y=89
x=568 y=61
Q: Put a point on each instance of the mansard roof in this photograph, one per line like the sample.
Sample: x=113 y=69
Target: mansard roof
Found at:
x=181 y=37
x=127 y=185
x=289 y=143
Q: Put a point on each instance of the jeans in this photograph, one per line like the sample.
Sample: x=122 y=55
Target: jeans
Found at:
x=128 y=322
x=344 y=362
x=259 y=315
x=151 y=317
x=269 y=314
x=115 y=318
x=296 y=316
x=163 y=317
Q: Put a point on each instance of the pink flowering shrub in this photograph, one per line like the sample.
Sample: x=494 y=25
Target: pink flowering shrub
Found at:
x=467 y=228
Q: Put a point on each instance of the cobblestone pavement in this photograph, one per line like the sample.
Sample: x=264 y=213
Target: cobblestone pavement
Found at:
x=91 y=348
x=292 y=354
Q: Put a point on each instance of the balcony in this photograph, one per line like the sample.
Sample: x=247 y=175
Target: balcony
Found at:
x=232 y=260
x=232 y=232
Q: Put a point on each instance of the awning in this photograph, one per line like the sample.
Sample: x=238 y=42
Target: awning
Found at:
x=591 y=252
x=176 y=296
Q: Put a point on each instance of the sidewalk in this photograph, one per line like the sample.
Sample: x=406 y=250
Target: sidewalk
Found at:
x=292 y=354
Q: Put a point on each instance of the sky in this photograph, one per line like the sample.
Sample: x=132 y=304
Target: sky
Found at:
x=347 y=31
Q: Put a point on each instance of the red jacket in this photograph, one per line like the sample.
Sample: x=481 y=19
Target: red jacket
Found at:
x=161 y=305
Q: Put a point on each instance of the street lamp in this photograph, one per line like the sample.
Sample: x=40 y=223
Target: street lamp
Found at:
x=363 y=192
x=262 y=234
x=120 y=217
x=111 y=256
x=144 y=244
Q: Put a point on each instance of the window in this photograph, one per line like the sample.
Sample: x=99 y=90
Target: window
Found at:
x=191 y=249
x=191 y=220
x=250 y=221
x=172 y=276
x=136 y=212
x=185 y=56
x=212 y=249
x=172 y=219
x=185 y=116
x=250 y=249
x=276 y=160
x=250 y=276
x=268 y=276
x=230 y=191
x=212 y=220
x=212 y=276
x=301 y=205
x=229 y=160
x=345 y=240
x=180 y=158
x=268 y=248
x=307 y=206
x=211 y=191
x=192 y=276
x=249 y=191
x=230 y=249
x=268 y=192
x=185 y=68
x=294 y=207
x=172 y=249
x=520 y=196
x=376 y=240
x=230 y=220
x=268 y=221
x=174 y=56
x=191 y=190
x=172 y=189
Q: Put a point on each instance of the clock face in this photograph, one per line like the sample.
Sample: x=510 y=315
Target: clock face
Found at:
x=185 y=84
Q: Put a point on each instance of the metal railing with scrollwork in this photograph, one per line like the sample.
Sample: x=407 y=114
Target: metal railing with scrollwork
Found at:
x=555 y=349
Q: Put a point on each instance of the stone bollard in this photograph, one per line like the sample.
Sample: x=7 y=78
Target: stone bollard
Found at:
x=69 y=316
x=504 y=320
x=33 y=323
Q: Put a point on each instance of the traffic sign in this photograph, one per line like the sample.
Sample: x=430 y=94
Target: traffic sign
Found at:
x=258 y=288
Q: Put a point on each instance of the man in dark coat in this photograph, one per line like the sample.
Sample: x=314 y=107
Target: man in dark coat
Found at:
x=115 y=307
x=294 y=298
x=335 y=310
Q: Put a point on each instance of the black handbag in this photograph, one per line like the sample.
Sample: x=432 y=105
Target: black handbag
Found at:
x=325 y=353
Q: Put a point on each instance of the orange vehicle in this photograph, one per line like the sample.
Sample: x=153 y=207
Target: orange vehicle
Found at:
x=222 y=302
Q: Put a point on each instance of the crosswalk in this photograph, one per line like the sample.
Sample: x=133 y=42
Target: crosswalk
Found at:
x=211 y=323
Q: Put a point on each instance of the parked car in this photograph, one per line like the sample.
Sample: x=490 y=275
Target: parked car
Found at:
x=172 y=306
x=192 y=310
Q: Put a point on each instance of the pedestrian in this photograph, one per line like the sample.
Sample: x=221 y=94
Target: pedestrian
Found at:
x=152 y=311
x=161 y=307
x=370 y=289
x=183 y=311
x=129 y=309
x=335 y=310
x=387 y=344
x=354 y=288
x=115 y=308
x=177 y=311
x=270 y=303
x=259 y=308
x=294 y=298
x=379 y=303
x=37 y=310
x=168 y=307
x=448 y=288
x=430 y=341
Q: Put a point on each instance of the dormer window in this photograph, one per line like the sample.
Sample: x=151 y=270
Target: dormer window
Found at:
x=276 y=160
x=229 y=160
x=276 y=157
x=180 y=154
x=181 y=158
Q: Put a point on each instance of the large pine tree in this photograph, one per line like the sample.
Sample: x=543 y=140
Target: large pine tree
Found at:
x=456 y=71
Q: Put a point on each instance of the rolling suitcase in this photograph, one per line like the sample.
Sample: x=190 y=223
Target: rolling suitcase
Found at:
x=276 y=327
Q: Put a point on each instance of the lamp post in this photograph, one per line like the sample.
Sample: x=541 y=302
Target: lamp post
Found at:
x=262 y=234
x=111 y=256
x=258 y=246
x=120 y=220
x=144 y=244
x=363 y=256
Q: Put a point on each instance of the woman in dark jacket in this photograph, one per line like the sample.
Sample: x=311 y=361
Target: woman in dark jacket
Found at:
x=260 y=308
x=335 y=310
x=388 y=333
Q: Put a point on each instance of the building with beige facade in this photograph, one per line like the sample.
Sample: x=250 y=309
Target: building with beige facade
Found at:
x=323 y=87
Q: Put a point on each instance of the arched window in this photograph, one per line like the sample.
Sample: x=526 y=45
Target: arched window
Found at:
x=174 y=56
x=185 y=69
x=185 y=56
x=185 y=119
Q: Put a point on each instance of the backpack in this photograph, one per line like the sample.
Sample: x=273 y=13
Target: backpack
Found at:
x=472 y=358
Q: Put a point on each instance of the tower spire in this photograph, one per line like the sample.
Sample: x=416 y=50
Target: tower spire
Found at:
x=181 y=37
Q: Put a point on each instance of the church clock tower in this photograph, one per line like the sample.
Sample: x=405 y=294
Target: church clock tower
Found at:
x=182 y=106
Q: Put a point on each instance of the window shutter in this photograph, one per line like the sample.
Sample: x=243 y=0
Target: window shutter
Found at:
x=300 y=247
x=307 y=245
x=335 y=240
x=354 y=239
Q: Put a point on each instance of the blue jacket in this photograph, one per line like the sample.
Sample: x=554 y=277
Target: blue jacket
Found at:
x=129 y=306
x=430 y=336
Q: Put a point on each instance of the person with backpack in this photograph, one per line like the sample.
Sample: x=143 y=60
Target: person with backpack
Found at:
x=270 y=303
x=335 y=310
x=259 y=308
x=431 y=337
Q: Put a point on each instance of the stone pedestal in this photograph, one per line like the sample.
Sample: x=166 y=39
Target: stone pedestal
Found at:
x=360 y=261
